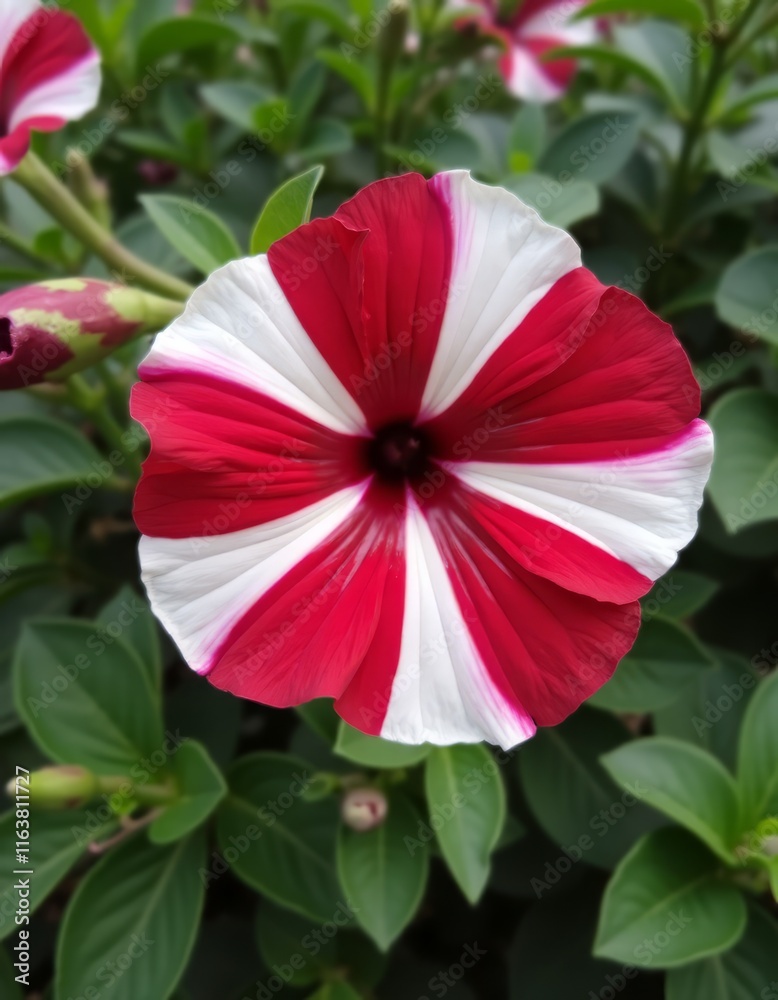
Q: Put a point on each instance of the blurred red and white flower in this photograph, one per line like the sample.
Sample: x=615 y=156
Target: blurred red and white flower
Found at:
x=419 y=460
x=527 y=34
x=49 y=74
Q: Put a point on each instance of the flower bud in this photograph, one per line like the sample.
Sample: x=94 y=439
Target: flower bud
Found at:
x=53 y=329
x=364 y=809
x=65 y=787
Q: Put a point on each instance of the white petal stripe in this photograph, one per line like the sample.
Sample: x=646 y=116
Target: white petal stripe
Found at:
x=68 y=95
x=641 y=509
x=442 y=692
x=240 y=326
x=505 y=259
x=201 y=587
x=13 y=14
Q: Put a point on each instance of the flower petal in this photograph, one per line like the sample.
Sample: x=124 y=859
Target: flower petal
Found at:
x=327 y=609
x=505 y=260
x=370 y=286
x=443 y=692
x=575 y=383
x=239 y=326
x=50 y=71
x=225 y=457
x=201 y=588
x=544 y=648
x=641 y=509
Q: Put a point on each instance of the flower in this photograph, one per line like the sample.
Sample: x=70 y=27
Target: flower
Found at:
x=417 y=459
x=49 y=74
x=532 y=30
x=52 y=329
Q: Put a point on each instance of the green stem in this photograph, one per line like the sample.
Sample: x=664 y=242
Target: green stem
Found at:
x=9 y=237
x=92 y=403
x=41 y=183
x=147 y=795
x=680 y=182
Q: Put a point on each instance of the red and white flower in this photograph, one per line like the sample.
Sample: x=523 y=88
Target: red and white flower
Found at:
x=417 y=459
x=49 y=74
x=528 y=34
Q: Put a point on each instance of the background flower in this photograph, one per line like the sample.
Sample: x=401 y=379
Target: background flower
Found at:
x=49 y=74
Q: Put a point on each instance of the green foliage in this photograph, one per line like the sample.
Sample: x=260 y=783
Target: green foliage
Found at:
x=639 y=834
x=465 y=791
x=384 y=872
x=667 y=906
x=287 y=208
x=40 y=456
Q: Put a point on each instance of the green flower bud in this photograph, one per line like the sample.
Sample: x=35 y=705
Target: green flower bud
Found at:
x=65 y=787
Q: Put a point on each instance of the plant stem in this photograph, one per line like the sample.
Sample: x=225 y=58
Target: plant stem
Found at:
x=92 y=403
x=680 y=181
x=41 y=183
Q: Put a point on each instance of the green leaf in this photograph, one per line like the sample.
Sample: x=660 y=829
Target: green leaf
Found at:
x=40 y=456
x=286 y=942
x=137 y=913
x=571 y=795
x=526 y=138
x=757 y=764
x=666 y=905
x=288 y=207
x=594 y=147
x=384 y=871
x=763 y=89
x=679 y=595
x=58 y=840
x=320 y=10
x=198 y=235
x=745 y=972
x=201 y=788
x=85 y=701
x=130 y=617
x=684 y=782
x=688 y=11
x=325 y=137
x=534 y=966
x=660 y=48
x=235 y=100
x=321 y=717
x=354 y=73
x=708 y=712
x=15 y=609
x=303 y=954
x=283 y=845
x=335 y=991
x=10 y=989
x=465 y=792
x=559 y=204
x=664 y=658
x=181 y=34
x=744 y=482
x=747 y=295
x=372 y=751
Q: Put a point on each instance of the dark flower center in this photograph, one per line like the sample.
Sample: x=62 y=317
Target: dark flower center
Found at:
x=6 y=345
x=399 y=452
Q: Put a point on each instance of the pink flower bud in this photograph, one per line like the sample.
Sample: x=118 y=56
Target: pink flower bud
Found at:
x=53 y=329
x=364 y=809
